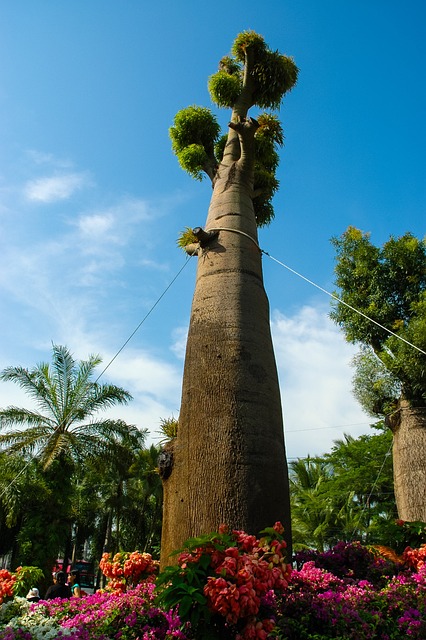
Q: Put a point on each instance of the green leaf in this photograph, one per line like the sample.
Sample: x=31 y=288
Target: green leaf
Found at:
x=185 y=606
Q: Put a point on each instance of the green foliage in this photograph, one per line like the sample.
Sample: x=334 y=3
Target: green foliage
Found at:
x=274 y=75
x=51 y=451
x=230 y=65
x=344 y=494
x=224 y=88
x=388 y=286
x=194 y=125
x=400 y=534
x=219 y=147
x=268 y=137
x=265 y=185
x=193 y=134
x=246 y=40
x=186 y=237
x=26 y=577
x=252 y=75
x=183 y=586
x=168 y=429
x=220 y=580
x=192 y=159
x=374 y=386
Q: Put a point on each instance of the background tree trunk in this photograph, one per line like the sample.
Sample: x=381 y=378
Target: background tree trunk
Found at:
x=409 y=449
x=229 y=462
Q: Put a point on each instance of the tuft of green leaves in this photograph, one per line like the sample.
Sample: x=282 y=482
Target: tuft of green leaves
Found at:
x=247 y=39
x=274 y=74
x=224 y=88
x=263 y=210
x=267 y=138
x=230 y=65
x=219 y=147
x=193 y=134
x=185 y=238
x=192 y=159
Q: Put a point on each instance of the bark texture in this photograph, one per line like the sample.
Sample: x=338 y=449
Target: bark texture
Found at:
x=229 y=463
x=409 y=449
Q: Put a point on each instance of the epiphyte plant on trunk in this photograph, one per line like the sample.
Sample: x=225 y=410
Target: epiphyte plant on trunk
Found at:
x=227 y=463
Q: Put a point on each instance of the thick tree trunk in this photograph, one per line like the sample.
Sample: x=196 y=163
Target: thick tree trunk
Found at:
x=229 y=463
x=409 y=450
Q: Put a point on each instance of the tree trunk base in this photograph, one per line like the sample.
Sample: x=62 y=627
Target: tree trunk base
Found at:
x=409 y=449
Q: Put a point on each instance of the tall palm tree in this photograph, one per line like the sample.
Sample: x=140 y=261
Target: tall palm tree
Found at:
x=64 y=431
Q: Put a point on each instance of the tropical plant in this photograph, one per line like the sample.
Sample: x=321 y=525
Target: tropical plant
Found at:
x=230 y=421
x=345 y=495
x=383 y=309
x=125 y=570
x=65 y=425
x=222 y=582
x=61 y=433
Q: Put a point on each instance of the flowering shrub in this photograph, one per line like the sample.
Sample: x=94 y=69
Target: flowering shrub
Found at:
x=19 y=582
x=224 y=583
x=126 y=570
x=320 y=605
x=100 y=616
x=415 y=558
x=232 y=586
x=7 y=581
x=400 y=534
x=351 y=561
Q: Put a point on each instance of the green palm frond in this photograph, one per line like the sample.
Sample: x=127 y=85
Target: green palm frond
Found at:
x=66 y=427
x=12 y=416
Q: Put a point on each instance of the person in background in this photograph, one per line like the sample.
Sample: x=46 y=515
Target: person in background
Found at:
x=59 y=588
x=33 y=595
x=74 y=582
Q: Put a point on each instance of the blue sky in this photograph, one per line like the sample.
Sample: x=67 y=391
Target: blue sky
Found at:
x=92 y=198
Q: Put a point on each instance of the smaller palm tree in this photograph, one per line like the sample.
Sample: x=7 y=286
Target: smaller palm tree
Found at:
x=66 y=427
x=62 y=434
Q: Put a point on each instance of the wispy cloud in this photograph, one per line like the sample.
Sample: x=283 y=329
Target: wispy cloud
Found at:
x=314 y=363
x=41 y=157
x=96 y=225
x=58 y=187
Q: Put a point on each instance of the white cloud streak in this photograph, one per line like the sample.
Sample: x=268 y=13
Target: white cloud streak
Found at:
x=54 y=188
x=316 y=380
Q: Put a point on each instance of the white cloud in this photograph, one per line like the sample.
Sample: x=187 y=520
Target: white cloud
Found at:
x=54 y=188
x=316 y=380
x=154 y=383
x=179 y=336
x=95 y=225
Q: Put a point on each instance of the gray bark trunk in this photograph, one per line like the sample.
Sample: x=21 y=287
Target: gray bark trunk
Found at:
x=229 y=463
x=409 y=450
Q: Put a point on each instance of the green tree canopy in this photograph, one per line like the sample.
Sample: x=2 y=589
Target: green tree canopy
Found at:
x=388 y=286
x=346 y=494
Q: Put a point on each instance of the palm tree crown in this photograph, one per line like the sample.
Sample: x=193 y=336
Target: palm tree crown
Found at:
x=65 y=425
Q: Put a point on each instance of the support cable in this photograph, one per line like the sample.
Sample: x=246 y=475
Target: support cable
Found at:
x=112 y=359
x=332 y=295
x=144 y=318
